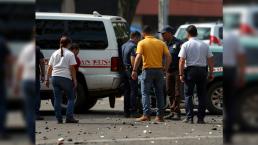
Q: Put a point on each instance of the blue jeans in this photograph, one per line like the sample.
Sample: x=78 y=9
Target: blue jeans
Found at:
x=130 y=93
x=2 y=106
x=29 y=92
x=152 y=78
x=195 y=76
x=63 y=84
x=38 y=98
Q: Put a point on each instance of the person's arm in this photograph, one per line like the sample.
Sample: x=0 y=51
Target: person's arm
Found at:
x=211 y=66
x=49 y=72
x=168 y=61
x=132 y=58
x=181 y=68
x=137 y=62
x=182 y=55
x=42 y=69
x=73 y=73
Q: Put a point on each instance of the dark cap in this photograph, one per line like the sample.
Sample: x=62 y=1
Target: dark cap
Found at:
x=167 y=29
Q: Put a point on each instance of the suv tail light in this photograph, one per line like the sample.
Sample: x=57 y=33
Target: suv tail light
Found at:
x=214 y=40
x=246 y=29
x=116 y=64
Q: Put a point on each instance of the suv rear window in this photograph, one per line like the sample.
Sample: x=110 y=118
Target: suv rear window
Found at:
x=203 y=33
x=88 y=34
x=122 y=32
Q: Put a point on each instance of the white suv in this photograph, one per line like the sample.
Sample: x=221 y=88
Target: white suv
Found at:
x=210 y=33
x=99 y=38
x=243 y=19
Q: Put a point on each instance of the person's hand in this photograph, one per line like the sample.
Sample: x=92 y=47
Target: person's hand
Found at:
x=134 y=75
x=75 y=84
x=47 y=83
x=182 y=78
x=211 y=77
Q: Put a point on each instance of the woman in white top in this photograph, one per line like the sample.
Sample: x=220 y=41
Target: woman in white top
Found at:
x=61 y=68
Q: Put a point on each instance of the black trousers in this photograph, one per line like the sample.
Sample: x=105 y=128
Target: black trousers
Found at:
x=195 y=76
x=230 y=102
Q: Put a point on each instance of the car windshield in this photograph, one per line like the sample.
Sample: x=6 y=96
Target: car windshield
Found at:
x=231 y=20
x=203 y=33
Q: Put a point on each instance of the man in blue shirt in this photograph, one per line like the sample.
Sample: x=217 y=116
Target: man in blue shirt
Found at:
x=131 y=87
x=173 y=84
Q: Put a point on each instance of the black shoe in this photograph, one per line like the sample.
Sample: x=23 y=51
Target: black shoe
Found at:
x=200 y=121
x=169 y=116
x=176 y=117
x=72 y=120
x=188 y=120
x=39 y=118
x=60 y=121
x=127 y=115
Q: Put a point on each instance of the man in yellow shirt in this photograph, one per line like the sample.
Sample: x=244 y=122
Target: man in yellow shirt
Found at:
x=151 y=52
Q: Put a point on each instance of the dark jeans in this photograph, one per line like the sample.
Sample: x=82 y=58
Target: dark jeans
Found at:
x=63 y=84
x=155 y=78
x=29 y=92
x=130 y=93
x=38 y=98
x=229 y=100
x=2 y=106
x=195 y=76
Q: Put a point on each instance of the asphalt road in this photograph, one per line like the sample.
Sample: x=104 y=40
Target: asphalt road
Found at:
x=106 y=126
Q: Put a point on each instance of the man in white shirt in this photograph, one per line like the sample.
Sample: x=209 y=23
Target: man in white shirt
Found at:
x=195 y=57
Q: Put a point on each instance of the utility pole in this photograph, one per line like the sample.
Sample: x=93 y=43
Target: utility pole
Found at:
x=163 y=13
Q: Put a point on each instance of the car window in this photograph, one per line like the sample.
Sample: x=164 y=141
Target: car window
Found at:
x=231 y=20
x=255 y=19
x=251 y=56
x=218 y=59
x=221 y=32
x=203 y=33
x=88 y=34
x=122 y=32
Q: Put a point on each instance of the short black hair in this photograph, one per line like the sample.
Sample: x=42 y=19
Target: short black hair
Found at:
x=192 y=30
x=74 y=46
x=135 y=34
x=147 y=29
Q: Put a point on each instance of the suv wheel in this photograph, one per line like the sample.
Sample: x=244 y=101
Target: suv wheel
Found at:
x=215 y=98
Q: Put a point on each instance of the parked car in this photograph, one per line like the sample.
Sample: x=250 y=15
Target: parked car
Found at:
x=99 y=38
x=243 y=19
x=210 y=33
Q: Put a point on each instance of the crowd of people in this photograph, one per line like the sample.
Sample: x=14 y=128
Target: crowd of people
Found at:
x=169 y=63
x=186 y=64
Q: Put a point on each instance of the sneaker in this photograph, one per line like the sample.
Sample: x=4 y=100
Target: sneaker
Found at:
x=143 y=118
x=159 y=119
x=71 y=120
x=200 y=121
x=169 y=116
x=188 y=120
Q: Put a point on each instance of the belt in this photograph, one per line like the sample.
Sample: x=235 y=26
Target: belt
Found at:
x=153 y=69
